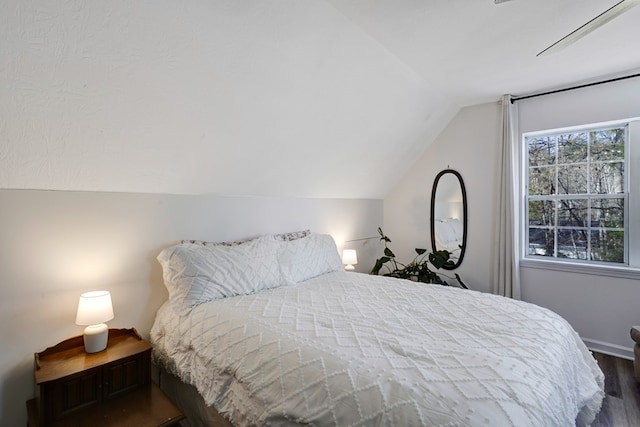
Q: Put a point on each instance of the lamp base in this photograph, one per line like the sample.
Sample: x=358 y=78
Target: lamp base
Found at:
x=95 y=338
x=349 y=267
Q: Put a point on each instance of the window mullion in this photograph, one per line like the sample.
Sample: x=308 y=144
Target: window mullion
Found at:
x=580 y=213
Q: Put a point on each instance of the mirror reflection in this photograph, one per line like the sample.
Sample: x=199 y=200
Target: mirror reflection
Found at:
x=448 y=215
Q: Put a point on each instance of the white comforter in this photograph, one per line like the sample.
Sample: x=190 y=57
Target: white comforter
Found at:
x=352 y=349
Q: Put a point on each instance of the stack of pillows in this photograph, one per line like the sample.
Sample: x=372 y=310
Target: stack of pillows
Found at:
x=195 y=271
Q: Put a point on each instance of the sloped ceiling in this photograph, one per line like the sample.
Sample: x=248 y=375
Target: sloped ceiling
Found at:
x=475 y=50
x=268 y=97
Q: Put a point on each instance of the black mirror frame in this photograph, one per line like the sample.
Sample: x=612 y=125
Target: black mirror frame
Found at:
x=464 y=215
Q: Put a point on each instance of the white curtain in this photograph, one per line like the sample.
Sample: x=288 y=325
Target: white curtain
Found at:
x=506 y=268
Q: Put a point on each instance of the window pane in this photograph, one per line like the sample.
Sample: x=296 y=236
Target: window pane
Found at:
x=541 y=241
x=572 y=148
x=607 y=245
x=576 y=194
x=542 y=181
x=542 y=213
x=572 y=244
x=572 y=179
x=607 y=178
x=607 y=213
x=607 y=144
x=572 y=213
x=542 y=150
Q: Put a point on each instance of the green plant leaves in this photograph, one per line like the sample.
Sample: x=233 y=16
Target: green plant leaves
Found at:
x=383 y=237
x=379 y=263
x=418 y=269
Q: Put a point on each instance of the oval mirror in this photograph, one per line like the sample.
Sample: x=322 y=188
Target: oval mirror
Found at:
x=449 y=216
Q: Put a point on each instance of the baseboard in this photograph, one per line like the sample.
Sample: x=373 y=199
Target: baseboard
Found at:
x=608 y=348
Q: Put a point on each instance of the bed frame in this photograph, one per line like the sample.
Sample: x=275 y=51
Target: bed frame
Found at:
x=187 y=398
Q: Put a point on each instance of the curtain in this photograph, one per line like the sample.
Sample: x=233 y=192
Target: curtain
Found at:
x=506 y=268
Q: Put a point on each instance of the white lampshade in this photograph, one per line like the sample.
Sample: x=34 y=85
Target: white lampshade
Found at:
x=349 y=257
x=95 y=308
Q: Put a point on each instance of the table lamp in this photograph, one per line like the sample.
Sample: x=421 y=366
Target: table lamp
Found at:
x=94 y=308
x=349 y=257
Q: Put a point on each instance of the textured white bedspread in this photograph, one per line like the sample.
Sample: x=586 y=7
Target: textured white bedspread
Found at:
x=352 y=349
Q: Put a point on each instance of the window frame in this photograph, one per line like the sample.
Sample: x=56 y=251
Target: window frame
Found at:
x=630 y=268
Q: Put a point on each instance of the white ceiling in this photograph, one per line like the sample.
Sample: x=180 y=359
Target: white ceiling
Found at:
x=475 y=50
x=306 y=98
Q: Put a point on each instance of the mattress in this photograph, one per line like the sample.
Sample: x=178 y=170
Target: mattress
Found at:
x=354 y=349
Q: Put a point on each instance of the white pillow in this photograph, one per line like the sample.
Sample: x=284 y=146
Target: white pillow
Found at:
x=292 y=235
x=308 y=257
x=205 y=243
x=194 y=273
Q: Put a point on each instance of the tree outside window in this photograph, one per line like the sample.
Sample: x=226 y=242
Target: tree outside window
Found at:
x=576 y=195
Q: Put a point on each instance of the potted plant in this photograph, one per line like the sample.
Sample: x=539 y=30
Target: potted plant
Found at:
x=418 y=269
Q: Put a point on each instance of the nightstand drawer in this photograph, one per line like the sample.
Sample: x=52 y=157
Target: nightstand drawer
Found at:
x=126 y=375
x=65 y=395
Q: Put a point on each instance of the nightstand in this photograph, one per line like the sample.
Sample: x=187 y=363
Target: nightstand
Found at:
x=109 y=388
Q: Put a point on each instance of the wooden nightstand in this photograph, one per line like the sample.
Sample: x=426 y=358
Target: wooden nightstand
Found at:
x=109 y=388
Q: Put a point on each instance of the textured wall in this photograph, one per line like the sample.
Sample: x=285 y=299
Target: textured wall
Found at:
x=57 y=244
x=283 y=98
x=470 y=144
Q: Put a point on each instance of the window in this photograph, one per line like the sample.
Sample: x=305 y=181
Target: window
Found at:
x=577 y=194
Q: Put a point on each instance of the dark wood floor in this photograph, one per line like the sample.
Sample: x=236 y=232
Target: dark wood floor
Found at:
x=621 y=406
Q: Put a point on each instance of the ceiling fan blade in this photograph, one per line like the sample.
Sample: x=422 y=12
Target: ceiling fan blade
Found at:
x=606 y=16
x=500 y=1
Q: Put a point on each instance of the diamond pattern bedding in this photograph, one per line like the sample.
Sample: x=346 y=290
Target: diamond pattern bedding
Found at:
x=352 y=349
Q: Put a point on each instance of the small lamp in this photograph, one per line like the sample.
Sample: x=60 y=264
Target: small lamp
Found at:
x=349 y=257
x=94 y=308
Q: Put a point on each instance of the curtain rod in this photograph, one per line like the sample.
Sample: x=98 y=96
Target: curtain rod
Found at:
x=518 y=98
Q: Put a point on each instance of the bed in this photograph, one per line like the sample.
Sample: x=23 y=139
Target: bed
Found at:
x=448 y=235
x=297 y=340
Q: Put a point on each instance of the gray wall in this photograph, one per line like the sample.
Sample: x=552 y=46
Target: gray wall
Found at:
x=600 y=308
x=56 y=245
x=468 y=145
